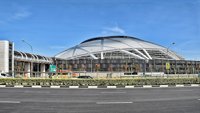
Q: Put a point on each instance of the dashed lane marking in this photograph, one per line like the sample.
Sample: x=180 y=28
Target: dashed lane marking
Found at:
x=114 y=102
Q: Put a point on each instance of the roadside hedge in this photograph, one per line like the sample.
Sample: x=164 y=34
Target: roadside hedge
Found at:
x=99 y=82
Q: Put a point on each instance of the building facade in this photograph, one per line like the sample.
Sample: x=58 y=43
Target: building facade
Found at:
x=124 y=54
x=6 y=57
x=112 y=54
x=21 y=64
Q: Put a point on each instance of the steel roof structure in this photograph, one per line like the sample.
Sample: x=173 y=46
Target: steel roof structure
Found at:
x=28 y=57
x=118 y=47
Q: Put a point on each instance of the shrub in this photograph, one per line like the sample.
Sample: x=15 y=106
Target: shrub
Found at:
x=99 y=82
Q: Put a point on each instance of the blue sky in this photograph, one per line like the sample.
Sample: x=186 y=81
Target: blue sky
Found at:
x=51 y=26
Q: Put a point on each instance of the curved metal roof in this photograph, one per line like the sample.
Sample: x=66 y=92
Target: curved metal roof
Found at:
x=21 y=56
x=110 y=37
x=124 y=44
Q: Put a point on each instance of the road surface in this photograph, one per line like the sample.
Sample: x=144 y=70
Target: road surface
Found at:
x=138 y=100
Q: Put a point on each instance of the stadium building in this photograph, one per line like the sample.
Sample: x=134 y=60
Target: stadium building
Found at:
x=118 y=47
x=124 y=55
x=111 y=55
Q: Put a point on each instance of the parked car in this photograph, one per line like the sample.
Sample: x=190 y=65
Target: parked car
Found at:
x=85 y=77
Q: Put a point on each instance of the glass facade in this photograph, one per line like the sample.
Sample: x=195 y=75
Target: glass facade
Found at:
x=129 y=65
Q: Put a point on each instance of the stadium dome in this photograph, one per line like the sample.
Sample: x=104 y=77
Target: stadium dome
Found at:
x=118 y=47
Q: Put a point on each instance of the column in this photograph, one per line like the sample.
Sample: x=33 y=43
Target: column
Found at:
x=27 y=69
x=42 y=68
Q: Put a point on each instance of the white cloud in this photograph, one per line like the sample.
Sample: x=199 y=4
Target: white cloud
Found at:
x=116 y=29
x=113 y=30
x=19 y=14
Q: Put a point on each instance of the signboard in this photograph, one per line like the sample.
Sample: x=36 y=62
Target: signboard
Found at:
x=52 y=68
x=167 y=65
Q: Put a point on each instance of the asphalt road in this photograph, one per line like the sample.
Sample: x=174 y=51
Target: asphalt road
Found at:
x=141 y=100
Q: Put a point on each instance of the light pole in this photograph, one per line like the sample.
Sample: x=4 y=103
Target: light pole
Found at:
x=28 y=45
x=145 y=61
x=91 y=66
x=173 y=43
x=168 y=64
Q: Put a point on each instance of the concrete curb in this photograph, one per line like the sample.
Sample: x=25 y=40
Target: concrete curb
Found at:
x=129 y=86
x=73 y=86
x=99 y=87
x=36 y=86
x=195 y=85
x=91 y=87
x=18 y=86
x=54 y=86
x=164 y=85
x=179 y=85
x=2 y=85
x=111 y=86
x=147 y=86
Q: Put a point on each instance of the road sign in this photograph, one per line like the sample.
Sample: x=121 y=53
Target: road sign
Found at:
x=167 y=65
x=52 y=68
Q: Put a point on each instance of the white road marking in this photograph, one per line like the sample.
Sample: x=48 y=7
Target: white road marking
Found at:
x=11 y=102
x=198 y=99
x=114 y=102
x=39 y=92
x=185 y=90
x=112 y=92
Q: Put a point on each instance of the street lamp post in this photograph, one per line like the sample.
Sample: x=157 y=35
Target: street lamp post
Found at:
x=28 y=45
x=145 y=61
x=168 y=64
x=91 y=66
x=169 y=47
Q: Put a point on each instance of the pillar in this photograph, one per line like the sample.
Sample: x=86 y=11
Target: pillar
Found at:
x=42 y=68
x=27 y=69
